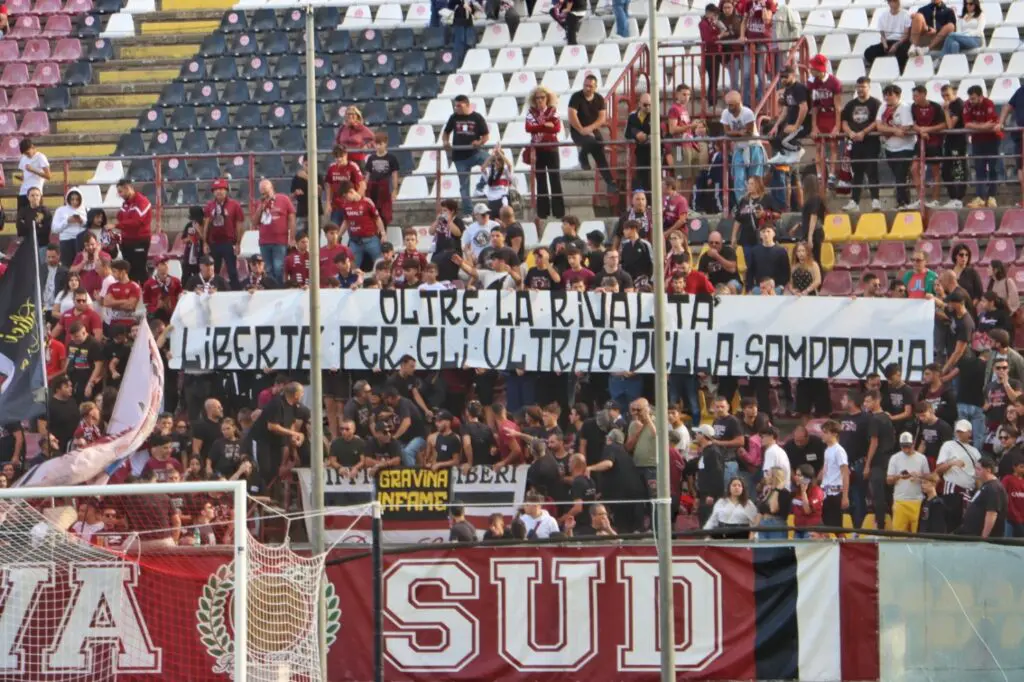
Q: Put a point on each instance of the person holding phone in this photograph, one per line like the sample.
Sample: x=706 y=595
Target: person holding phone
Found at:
x=907 y=469
x=807 y=500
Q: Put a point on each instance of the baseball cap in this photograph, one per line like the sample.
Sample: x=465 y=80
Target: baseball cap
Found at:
x=255 y=258
x=705 y=430
x=612 y=405
x=906 y=438
x=220 y=183
x=443 y=415
x=481 y=209
x=819 y=62
x=206 y=260
x=963 y=425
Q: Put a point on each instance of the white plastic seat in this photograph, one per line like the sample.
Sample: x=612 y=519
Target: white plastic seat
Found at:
x=820 y=22
x=448 y=186
x=418 y=14
x=1015 y=15
x=1016 y=66
x=491 y=84
x=869 y=4
x=664 y=28
x=120 y=25
x=674 y=8
x=835 y=6
x=885 y=69
x=987 y=65
x=552 y=231
x=609 y=81
x=428 y=164
x=1003 y=89
x=530 y=239
x=509 y=59
x=541 y=58
x=91 y=196
x=555 y=35
x=437 y=113
x=876 y=91
x=515 y=135
x=357 y=16
x=836 y=46
x=528 y=34
x=850 y=70
x=577 y=83
x=918 y=69
x=954 y=67
x=934 y=87
x=503 y=109
x=389 y=15
x=592 y=31
x=637 y=8
x=250 y=245
x=1004 y=39
x=113 y=200
x=606 y=56
x=478 y=60
x=687 y=28
x=866 y=40
x=568 y=158
x=495 y=35
x=557 y=81
x=966 y=83
x=420 y=135
x=413 y=188
x=993 y=13
x=541 y=12
x=853 y=20
x=174 y=265
x=457 y=84
x=425 y=242
x=573 y=57
x=521 y=83
x=107 y=173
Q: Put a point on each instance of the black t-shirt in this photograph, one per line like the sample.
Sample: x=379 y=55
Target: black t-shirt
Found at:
x=381 y=167
x=854 y=435
x=539 y=279
x=937 y=16
x=383 y=451
x=727 y=428
x=347 y=452
x=227 y=456
x=933 y=436
x=447 y=446
x=361 y=414
x=481 y=441
x=508 y=255
x=279 y=412
x=404 y=385
x=812 y=453
x=813 y=207
x=894 y=400
x=991 y=497
x=623 y=481
x=620 y=276
x=961 y=329
x=595 y=261
x=545 y=476
x=197 y=284
x=785 y=500
x=997 y=399
x=583 y=488
x=208 y=432
x=515 y=231
x=933 y=517
x=407 y=408
x=971 y=387
x=119 y=352
x=859 y=115
x=795 y=95
x=586 y=112
x=462 y=531
x=63 y=418
x=465 y=129
x=882 y=428
x=595 y=438
x=714 y=270
x=7 y=440
x=955 y=141
x=944 y=401
x=81 y=358
x=558 y=257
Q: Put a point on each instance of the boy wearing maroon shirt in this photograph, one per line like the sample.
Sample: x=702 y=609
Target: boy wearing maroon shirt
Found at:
x=296 y=264
x=330 y=251
x=826 y=103
x=81 y=312
x=161 y=291
x=363 y=224
x=135 y=221
x=981 y=118
x=576 y=272
x=342 y=170
x=929 y=121
x=160 y=460
x=123 y=295
x=686 y=280
x=223 y=224
x=411 y=253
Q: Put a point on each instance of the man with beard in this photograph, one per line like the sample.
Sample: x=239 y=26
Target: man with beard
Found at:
x=582 y=494
x=932 y=432
x=619 y=479
x=358 y=408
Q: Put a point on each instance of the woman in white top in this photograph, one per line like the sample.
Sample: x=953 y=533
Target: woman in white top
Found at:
x=69 y=222
x=496 y=180
x=65 y=298
x=735 y=510
x=970 y=30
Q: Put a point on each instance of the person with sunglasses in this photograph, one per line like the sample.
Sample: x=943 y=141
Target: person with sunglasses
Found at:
x=970 y=30
x=638 y=131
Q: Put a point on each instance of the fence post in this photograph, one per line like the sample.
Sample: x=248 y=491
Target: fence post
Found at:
x=159 y=193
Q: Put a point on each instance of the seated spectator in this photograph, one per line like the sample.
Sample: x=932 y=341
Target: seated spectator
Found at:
x=569 y=238
x=161 y=291
x=5 y=25
x=69 y=223
x=805 y=273
x=496 y=180
x=930 y=26
x=354 y=134
x=970 y=30
x=894 y=30
x=718 y=262
x=587 y=115
x=768 y=260
x=258 y=279
x=206 y=281
x=640 y=212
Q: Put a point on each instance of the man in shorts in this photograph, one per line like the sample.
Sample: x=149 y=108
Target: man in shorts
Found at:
x=826 y=103
x=929 y=121
x=929 y=27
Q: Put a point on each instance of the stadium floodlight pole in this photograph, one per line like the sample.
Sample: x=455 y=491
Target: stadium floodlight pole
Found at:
x=663 y=509
x=316 y=399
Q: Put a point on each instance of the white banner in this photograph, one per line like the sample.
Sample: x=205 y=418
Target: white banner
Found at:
x=555 y=331
x=482 y=490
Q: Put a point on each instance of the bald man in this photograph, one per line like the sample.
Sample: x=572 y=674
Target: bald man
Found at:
x=583 y=493
x=638 y=131
x=274 y=217
x=738 y=122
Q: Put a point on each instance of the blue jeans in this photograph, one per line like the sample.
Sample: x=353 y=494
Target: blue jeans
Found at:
x=976 y=416
x=621 y=10
x=410 y=451
x=273 y=257
x=625 y=390
x=683 y=388
x=463 y=168
x=730 y=470
x=225 y=253
x=773 y=534
x=364 y=246
x=435 y=12
x=461 y=37
x=955 y=42
x=758 y=75
x=519 y=391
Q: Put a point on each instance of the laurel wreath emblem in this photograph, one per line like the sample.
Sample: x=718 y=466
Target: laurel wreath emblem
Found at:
x=211 y=618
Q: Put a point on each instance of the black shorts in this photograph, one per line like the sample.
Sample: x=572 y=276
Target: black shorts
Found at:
x=832 y=511
x=931 y=152
x=337 y=384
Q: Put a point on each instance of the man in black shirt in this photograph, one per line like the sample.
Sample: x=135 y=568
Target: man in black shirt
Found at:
x=932 y=432
x=444 y=447
x=929 y=27
x=543 y=276
x=898 y=398
x=941 y=397
x=954 y=149
x=406 y=422
x=582 y=493
x=881 y=446
x=205 y=431
x=718 y=262
x=409 y=385
x=206 y=281
x=464 y=136
x=115 y=356
x=612 y=269
x=638 y=131
x=461 y=530
x=515 y=238
x=805 y=448
x=84 y=364
x=854 y=435
x=728 y=436
x=794 y=121
x=858 y=120
x=477 y=438
x=347 y=449
x=637 y=254
x=382 y=451
x=12 y=443
x=587 y=116
x=985 y=516
x=569 y=238
x=711 y=477
x=618 y=478
x=61 y=414
x=358 y=408
x=258 y=279
x=273 y=431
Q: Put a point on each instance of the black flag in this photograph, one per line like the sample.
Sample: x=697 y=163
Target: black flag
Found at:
x=22 y=385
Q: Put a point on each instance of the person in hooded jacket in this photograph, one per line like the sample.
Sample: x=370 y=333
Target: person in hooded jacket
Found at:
x=34 y=217
x=70 y=222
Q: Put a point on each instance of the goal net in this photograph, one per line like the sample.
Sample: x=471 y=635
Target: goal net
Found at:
x=156 y=582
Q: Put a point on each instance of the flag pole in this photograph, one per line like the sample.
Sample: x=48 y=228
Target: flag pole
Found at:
x=41 y=319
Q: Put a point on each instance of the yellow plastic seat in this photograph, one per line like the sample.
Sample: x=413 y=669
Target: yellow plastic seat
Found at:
x=907 y=226
x=871 y=227
x=837 y=228
x=828 y=256
x=741 y=261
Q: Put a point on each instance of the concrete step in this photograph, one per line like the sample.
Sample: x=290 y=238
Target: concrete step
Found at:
x=197 y=27
x=159 y=50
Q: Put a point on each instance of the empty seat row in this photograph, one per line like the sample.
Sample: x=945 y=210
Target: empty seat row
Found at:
x=280 y=115
x=542 y=58
x=45 y=7
x=39 y=50
x=30 y=26
x=979 y=223
x=873 y=227
x=228 y=140
x=44 y=74
x=337 y=41
x=32 y=123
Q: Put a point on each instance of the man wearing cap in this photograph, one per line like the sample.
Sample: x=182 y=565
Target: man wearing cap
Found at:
x=258 y=279
x=463 y=137
x=206 y=281
x=794 y=121
x=223 y=224
x=957 y=461
x=985 y=516
x=710 y=478
x=477 y=235
x=134 y=220
x=826 y=103
x=122 y=297
x=907 y=468
x=444 y=446
x=161 y=291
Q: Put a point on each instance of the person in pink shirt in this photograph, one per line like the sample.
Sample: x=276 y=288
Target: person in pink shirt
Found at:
x=275 y=218
x=681 y=125
x=354 y=135
x=674 y=206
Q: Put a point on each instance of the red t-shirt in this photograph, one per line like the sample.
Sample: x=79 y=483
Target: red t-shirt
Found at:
x=162 y=469
x=89 y=318
x=123 y=291
x=91 y=280
x=929 y=115
x=155 y=291
x=296 y=269
x=504 y=440
x=327 y=255
x=812 y=516
x=336 y=173
x=361 y=216
x=823 y=93
x=273 y=218
x=758 y=25
x=983 y=112
x=673 y=207
x=225 y=220
x=55 y=357
x=1014 y=487
x=570 y=277
x=696 y=283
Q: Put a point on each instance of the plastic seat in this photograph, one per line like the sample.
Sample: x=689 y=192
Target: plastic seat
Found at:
x=490 y=85
x=906 y=226
x=193 y=71
x=369 y=41
x=444 y=62
x=357 y=16
x=224 y=69
x=418 y=14
x=837 y=283
x=205 y=93
x=432 y=39
x=918 y=68
x=271 y=166
x=236 y=92
x=1012 y=223
x=8 y=123
x=74 y=7
x=942 y=225
x=279 y=116
x=9 y=51
x=986 y=66
x=183 y=118
x=362 y=89
x=226 y=141
x=979 y=223
x=57 y=26
x=54 y=99
x=215 y=118
x=78 y=74
x=329 y=90
x=999 y=248
x=248 y=116
x=195 y=142
x=413 y=64
x=375 y=114
x=276 y=43
x=837 y=228
x=853 y=256
x=9 y=148
x=35 y=123
x=25 y=26
x=292 y=140
x=142 y=170
x=382 y=65
x=259 y=141
x=89 y=28
x=393 y=88
x=885 y=70
x=265 y=20
x=244 y=45
x=130 y=144
x=173 y=95
x=67 y=50
x=14 y=75
x=388 y=16
x=1003 y=89
x=234 y=22
x=254 y=68
x=870 y=227
x=182 y=194
x=557 y=81
x=338 y=42
x=36 y=50
x=214 y=45
x=205 y=169
x=162 y=142
x=1014 y=15
x=425 y=87
x=47 y=75
x=152 y=120
x=819 y=22
x=1004 y=39
x=850 y=70
x=295 y=20
x=890 y=254
x=932 y=250
x=573 y=57
x=478 y=60
x=836 y=46
x=175 y=170
x=24 y=99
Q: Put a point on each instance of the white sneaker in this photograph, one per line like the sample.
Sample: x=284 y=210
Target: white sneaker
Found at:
x=851 y=206
x=932 y=204
x=954 y=204
x=912 y=206
x=876 y=205
x=777 y=159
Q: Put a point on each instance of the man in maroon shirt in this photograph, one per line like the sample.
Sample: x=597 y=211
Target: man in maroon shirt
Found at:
x=340 y=171
x=296 y=264
x=123 y=296
x=576 y=272
x=135 y=220
x=330 y=251
x=223 y=225
x=756 y=28
x=981 y=119
x=686 y=280
x=929 y=121
x=86 y=261
x=161 y=291
x=81 y=312
x=826 y=103
x=363 y=224
x=275 y=216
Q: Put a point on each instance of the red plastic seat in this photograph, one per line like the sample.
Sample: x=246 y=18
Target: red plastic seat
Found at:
x=890 y=254
x=36 y=50
x=24 y=99
x=10 y=148
x=47 y=7
x=1012 y=223
x=35 y=123
x=19 y=7
x=999 y=248
x=14 y=75
x=979 y=223
x=4 y=106
x=932 y=250
x=1016 y=273
x=985 y=272
x=9 y=51
x=971 y=244
x=57 y=26
x=26 y=26
x=8 y=124
x=46 y=75
x=883 y=278
x=942 y=225
x=78 y=7
x=837 y=283
x=854 y=255
x=67 y=50
x=157 y=245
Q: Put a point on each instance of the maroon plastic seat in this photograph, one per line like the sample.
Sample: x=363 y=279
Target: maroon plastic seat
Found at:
x=985 y=272
x=979 y=223
x=9 y=51
x=999 y=248
x=1016 y=273
x=8 y=124
x=4 y=105
x=24 y=99
x=932 y=250
x=19 y=7
x=46 y=75
x=1012 y=223
x=971 y=244
x=35 y=123
x=837 y=283
x=36 y=50
x=853 y=255
x=10 y=148
x=67 y=50
x=47 y=7
x=942 y=225
x=883 y=278
x=158 y=245
x=78 y=7
x=57 y=26
x=14 y=75
x=26 y=26
x=890 y=254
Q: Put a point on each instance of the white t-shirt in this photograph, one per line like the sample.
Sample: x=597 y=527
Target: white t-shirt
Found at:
x=962 y=477
x=831 y=473
x=30 y=180
x=105 y=313
x=728 y=512
x=893 y=26
x=684 y=442
x=915 y=463
x=86 y=530
x=740 y=122
x=544 y=524
x=477 y=237
x=903 y=116
x=775 y=456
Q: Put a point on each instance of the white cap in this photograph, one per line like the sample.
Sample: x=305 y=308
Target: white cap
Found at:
x=705 y=430
x=964 y=426
x=906 y=438
x=481 y=209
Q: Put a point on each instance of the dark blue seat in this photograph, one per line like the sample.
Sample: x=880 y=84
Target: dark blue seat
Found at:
x=298 y=43
x=214 y=45
x=142 y=170
x=175 y=170
x=292 y=140
x=407 y=112
x=361 y=89
x=432 y=38
x=349 y=66
x=183 y=118
x=338 y=41
x=181 y=194
x=288 y=67
x=224 y=69
x=326 y=17
x=234 y=22
x=270 y=167
x=259 y=140
x=241 y=190
x=325 y=138
x=335 y=114
x=130 y=144
x=255 y=68
x=78 y=75
x=263 y=20
x=401 y=40
x=322 y=66
x=426 y=86
x=227 y=142
x=404 y=157
x=148 y=190
x=193 y=71
x=329 y=90
x=279 y=116
x=205 y=168
x=162 y=142
x=236 y=92
x=444 y=62
x=368 y=40
x=300 y=115
x=107 y=6
x=394 y=132
x=248 y=116
x=276 y=43
x=195 y=142
x=393 y=88
x=99 y=50
x=90 y=27
x=244 y=44
x=294 y=20
x=57 y=99
x=216 y=118
x=382 y=65
x=152 y=120
x=205 y=93
x=295 y=91
x=267 y=92
x=173 y=95
x=375 y=113
x=413 y=63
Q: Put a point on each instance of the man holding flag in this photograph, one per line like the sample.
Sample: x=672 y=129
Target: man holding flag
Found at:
x=22 y=379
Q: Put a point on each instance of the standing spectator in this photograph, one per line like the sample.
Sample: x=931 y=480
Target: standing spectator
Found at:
x=620 y=8
x=638 y=131
x=342 y=170
x=274 y=431
x=747 y=158
x=675 y=209
x=354 y=134
x=733 y=510
x=981 y=119
x=587 y=115
x=756 y=30
x=82 y=312
x=69 y=222
x=35 y=170
x=275 y=216
x=363 y=224
x=896 y=124
x=812 y=216
x=956 y=465
x=920 y=279
x=793 y=123
x=1004 y=287
x=985 y=515
x=86 y=262
x=638 y=212
x=859 y=121
x=807 y=501
x=53 y=277
x=223 y=225
x=296 y=263
x=933 y=510
x=135 y=220
x=122 y=296
x=1013 y=484
x=755 y=211
x=805 y=448
x=970 y=30
x=709 y=480
x=301 y=197
x=1016 y=107
x=906 y=470
x=835 y=477
x=637 y=255
x=161 y=291
x=692 y=155
x=929 y=27
x=544 y=126
x=569 y=238
x=84 y=365
x=539 y=523
x=775 y=503
x=966 y=276
x=767 y=260
x=582 y=494
x=258 y=279
x=464 y=135
x=462 y=26
x=382 y=168
x=894 y=29
x=732 y=52
x=954 y=149
x=826 y=103
x=34 y=218
x=496 y=179
x=461 y=529
x=929 y=122
x=712 y=30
